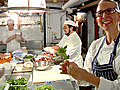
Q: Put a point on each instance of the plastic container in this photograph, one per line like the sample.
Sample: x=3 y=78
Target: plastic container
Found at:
x=18 y=36
x=7 y=68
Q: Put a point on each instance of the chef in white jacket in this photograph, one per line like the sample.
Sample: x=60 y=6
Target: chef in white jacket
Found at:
x=10 y=37
x=72 y=41
x=102 y=63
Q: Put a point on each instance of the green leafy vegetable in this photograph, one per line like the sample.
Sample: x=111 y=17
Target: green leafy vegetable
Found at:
x=2 y=87
x=62 y=52
x=27 y=57
x=20 y=81
x=45 y=88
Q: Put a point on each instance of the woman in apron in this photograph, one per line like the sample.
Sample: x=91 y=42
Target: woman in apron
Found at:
x=102 y=63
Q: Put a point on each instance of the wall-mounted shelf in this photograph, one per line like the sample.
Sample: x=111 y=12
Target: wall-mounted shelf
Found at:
x=3 y=25
x=21 y=24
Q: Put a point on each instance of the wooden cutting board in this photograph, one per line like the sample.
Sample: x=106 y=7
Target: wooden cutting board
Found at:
x=51 y=74
x=24 y=69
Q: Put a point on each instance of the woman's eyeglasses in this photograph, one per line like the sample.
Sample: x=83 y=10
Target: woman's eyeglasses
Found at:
x=107 y=11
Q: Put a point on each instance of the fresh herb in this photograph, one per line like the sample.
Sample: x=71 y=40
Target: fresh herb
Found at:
x=45 y=88
x=62 y=52
x=20 y=81
x=2 y=87
x=27 y=57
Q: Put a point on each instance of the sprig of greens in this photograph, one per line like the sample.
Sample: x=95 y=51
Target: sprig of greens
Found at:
x=62 y=52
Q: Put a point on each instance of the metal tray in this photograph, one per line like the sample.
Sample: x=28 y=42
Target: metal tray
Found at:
x=17 y=76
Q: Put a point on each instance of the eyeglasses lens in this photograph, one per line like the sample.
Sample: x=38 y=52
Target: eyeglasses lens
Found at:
x=107 y=11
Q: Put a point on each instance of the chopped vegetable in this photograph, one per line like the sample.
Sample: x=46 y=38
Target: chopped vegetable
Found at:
x=45 y=88
x=20 y=81
x=27 y=57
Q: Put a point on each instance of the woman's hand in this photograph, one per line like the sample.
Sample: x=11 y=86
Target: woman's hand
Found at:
x=72 y=69
x=64 y=67
x=78 y=73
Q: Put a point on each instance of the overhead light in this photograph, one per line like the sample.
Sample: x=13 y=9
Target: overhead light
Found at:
x=27 y=6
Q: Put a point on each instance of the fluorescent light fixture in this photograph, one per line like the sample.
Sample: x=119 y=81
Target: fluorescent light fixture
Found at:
x=27 y=6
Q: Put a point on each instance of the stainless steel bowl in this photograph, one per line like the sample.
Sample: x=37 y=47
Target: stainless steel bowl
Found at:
x=42 y=65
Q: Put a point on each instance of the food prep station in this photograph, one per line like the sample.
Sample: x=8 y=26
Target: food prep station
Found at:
x=48 y=76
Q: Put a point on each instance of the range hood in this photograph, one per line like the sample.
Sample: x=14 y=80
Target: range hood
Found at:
x=26 y=5
x=72 y=3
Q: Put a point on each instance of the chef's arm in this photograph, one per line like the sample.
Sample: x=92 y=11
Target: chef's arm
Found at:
x=52 y=49
x=10 y=38
x=81 y=74
x=92 y=79
x=22 y=39
x=55 y=47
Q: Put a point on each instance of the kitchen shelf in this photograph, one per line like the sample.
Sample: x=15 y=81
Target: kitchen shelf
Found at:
x=21 y=24
x=29 y=24
x=3 y=25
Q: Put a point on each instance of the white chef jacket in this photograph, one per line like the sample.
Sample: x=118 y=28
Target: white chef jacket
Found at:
x=103 y=58
x=13 y=44
x=74 y=44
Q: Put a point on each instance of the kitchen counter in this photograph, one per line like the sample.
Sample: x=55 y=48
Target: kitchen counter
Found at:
x=51 y=74
x=63 y=85
x=52 y=77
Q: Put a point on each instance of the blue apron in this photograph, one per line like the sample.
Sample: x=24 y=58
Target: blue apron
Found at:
x=106 y=70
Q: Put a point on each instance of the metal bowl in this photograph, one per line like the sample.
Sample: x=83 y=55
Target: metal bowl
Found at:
x=42 y=65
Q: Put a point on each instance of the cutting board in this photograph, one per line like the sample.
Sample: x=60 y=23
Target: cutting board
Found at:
x=51 y=74
x=23 y=69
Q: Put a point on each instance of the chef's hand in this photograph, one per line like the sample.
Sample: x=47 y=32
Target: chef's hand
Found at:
x=64 y=67
x=22 y=39
x=49 y=49
x=73 y=70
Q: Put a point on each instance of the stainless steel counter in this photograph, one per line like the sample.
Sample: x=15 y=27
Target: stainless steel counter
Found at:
x=63 y=85
x=57 y=85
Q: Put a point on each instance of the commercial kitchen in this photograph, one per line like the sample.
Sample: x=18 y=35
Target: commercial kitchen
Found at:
x=42 y=25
